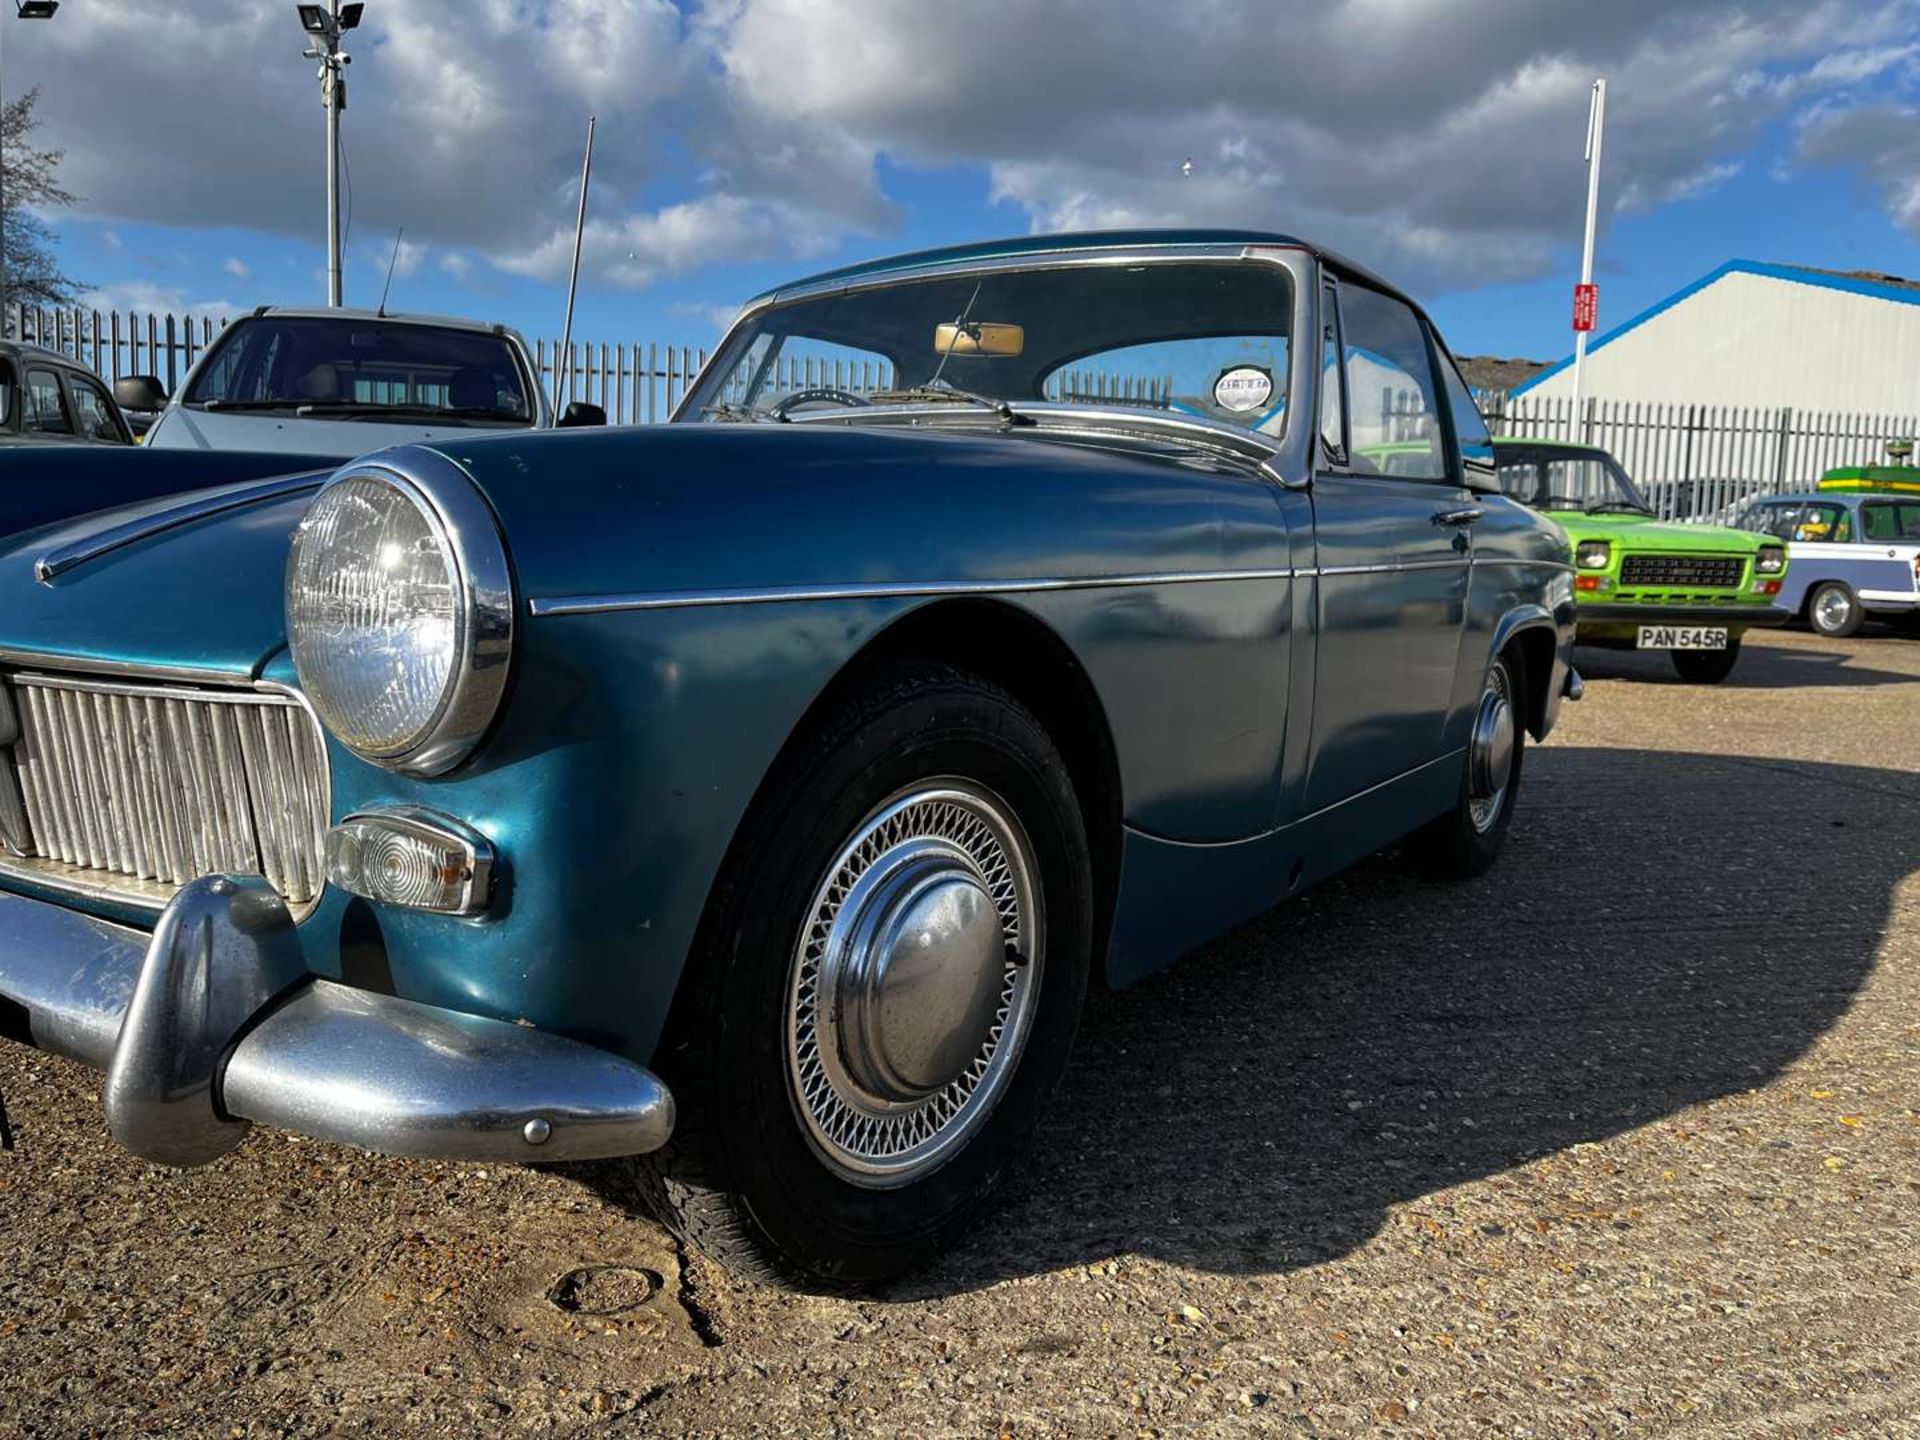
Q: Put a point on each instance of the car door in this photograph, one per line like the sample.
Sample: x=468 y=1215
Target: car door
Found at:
x=44 y=415
x=1391 y=518
x=96 y=418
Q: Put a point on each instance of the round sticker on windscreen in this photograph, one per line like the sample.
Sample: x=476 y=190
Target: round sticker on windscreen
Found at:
x=1242 y=388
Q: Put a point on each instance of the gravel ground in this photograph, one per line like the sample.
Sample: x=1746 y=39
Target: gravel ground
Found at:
x=1621 y=1140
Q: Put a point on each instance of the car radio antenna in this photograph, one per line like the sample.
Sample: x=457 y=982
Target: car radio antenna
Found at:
x=561 y=375
x=388 y=287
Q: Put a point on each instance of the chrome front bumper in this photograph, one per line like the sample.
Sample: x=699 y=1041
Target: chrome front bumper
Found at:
x=212 y=1023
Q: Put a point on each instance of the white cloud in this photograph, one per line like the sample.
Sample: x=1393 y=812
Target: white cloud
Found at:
x=237 y=268
x=1879 y=142
x=147 y=296
x=1441 y=141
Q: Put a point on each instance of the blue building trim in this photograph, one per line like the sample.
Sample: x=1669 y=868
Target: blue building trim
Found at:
x=1878 y=290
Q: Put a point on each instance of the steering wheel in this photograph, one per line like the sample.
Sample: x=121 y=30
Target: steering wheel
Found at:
x=825 y=394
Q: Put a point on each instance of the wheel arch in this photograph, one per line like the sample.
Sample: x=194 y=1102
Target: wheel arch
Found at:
x=1018 y=651
x=1535 y=638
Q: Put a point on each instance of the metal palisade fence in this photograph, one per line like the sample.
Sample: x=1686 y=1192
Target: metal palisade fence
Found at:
x=1699 y=462
x=1695 y=462
x=638 y=383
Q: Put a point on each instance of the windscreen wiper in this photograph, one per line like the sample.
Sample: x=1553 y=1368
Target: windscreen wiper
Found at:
x=242 y=404
x=921 y=394
x=727 y=411
x=356 y=409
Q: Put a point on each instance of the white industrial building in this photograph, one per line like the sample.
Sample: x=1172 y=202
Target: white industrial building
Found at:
x=1752 y=334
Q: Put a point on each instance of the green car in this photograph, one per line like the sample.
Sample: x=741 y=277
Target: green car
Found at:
x=1640 y=582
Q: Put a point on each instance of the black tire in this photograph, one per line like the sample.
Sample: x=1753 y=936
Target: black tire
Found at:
x=1833 y=610
x=1706 y=667
x=743 y=1179
x=1457 y=846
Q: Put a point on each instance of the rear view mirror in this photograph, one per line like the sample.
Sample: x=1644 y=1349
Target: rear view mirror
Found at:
x=978 y=337
x=140 y=392
x=582 y=412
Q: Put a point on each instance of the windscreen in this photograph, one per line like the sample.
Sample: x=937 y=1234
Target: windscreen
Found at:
x=1207 y=339
x=1586 y=480
x=361 y=368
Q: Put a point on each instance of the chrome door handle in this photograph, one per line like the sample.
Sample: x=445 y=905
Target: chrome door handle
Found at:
x=1455 y=518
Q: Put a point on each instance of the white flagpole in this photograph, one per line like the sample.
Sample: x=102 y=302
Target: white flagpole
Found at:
x=1596 y=128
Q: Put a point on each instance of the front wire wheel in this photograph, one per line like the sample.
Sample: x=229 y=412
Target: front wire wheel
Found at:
x=913 y=983
x=884 y=989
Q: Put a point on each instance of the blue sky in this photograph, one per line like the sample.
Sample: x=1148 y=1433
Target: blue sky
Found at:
x=743 y=142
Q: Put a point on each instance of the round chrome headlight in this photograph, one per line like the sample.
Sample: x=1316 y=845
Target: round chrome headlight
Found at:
x=400 y=611
x=1770 y=560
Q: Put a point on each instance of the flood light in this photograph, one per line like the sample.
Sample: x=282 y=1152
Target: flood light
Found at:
x=35 y=9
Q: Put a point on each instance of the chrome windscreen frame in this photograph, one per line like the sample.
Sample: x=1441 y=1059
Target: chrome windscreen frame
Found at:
x=484 y=630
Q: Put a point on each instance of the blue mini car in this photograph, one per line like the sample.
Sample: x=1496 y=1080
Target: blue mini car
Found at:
x=1853 y=549
x=758 y=794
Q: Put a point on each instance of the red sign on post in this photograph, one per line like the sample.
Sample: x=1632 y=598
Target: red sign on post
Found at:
x=1586 y=306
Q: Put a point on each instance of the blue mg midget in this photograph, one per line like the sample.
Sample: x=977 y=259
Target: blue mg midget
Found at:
x=757 y=795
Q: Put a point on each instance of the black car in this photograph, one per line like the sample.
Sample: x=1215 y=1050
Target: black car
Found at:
x=47 y=398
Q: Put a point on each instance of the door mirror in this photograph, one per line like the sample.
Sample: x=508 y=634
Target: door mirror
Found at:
x=140 y=392
x=582 y=412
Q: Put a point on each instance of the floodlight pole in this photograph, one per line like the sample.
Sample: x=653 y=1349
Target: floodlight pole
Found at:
x=330 y=97
x=333 y=94
x=1596 y=128
x=44 y=13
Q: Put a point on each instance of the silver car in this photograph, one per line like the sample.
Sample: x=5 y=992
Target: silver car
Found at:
x=1852 y=554
x=332 y=383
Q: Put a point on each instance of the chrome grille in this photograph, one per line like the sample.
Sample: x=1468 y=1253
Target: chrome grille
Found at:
x=132 y=790
x=1706 y=571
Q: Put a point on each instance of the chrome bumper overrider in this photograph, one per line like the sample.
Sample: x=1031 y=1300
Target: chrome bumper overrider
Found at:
x=213 y=1023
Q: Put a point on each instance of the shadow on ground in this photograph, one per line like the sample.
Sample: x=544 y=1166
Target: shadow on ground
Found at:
x=1663 y=929
x=1261 y=1106
x=1837 y=664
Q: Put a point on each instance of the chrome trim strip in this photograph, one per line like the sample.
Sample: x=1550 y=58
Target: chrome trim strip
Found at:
x=542 y=606
x=878 y=590
x=85 y=665
x=58 y=562
x=1396 y=567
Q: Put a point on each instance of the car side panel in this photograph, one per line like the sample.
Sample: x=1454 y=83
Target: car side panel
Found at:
x=634 y=739
x=1878 y=571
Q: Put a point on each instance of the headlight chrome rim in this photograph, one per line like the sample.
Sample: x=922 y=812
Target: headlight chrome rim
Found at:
x=483 y=615
x=1770 y=560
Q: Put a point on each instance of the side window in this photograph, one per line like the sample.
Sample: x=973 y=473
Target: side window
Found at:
x=1333 y=427
x=1393 y=418
x=1890 y=520
x=92 y=411
x=46 y=409
x=1818 y=523
x=1469 y=425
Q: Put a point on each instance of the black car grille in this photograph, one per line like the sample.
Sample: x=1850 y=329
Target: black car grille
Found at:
x=1711 y=572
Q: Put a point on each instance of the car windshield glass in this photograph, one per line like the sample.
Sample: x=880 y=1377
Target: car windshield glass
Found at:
x=359 y=368
x=1576 y=480
x=1181 y=338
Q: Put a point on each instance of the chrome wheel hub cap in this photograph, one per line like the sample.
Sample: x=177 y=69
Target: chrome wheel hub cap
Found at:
x=913 y=982
x=1832 y=609
x=1490 y=751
